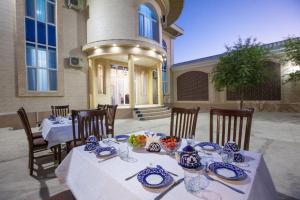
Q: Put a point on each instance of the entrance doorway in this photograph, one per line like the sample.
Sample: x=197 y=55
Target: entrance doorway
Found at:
x=119 y=85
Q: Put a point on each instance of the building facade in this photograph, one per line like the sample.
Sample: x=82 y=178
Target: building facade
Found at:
x=192 y=85
x=123 y=51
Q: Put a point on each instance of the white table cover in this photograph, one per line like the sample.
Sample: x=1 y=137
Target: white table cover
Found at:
x=90 y=179
x=56 y=134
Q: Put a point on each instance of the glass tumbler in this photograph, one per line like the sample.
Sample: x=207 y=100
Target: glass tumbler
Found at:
x=123 y=151
x=227 y=156
x=194 y=181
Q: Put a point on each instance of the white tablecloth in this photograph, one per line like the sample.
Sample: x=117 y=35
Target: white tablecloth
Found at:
x=56 y=134
x=90 y=179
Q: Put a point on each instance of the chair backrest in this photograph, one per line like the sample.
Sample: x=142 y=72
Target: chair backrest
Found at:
x=26 y=125
x=111 y=114
x=231 y=131
x=92 y=122
x=183 y=122
x=60 y=110
x=101 y=106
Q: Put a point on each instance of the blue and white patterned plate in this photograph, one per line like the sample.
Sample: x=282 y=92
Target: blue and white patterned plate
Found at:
x=121 y=138
x=105 y=151
x=209 y=146
x=227 y=171
x=155 y=177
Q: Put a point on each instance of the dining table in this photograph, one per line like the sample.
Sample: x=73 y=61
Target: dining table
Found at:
x=56 y=132
x=91 y=177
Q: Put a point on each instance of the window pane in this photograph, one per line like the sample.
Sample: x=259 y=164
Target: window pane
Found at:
x=42 y=57
x=52 y=80
x=51 y=13
x=30 y=55
x=141 y=25
x=30 y=30
x=31 y=79
x=148 y=25
x=42 y=80
x=51 y=35
x=41 y=29
x=155 y=30
x=41 y=10
x=52 y=1
x=52 y=58
x=30 y=8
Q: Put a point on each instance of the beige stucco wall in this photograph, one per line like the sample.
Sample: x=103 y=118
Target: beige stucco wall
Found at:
x=115 y=19
x=290 y=92
x=72 y=33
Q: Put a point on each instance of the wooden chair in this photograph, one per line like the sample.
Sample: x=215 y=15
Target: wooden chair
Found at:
x=231 y=131
x=89 y=122
x=102 y=106
x=35 y=144
x=76 y=139
x=60 y=110
x=92 y=122
x=183 y=122
x=111 y=115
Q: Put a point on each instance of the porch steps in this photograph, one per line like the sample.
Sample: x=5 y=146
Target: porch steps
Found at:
x=150 y=113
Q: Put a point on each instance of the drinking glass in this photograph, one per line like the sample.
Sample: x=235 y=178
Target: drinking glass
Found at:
x=194 y=181
x=190 y=140
x=227 y=156
x=123 y=151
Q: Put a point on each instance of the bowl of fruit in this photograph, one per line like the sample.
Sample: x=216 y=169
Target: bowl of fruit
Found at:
x=170 y=144
x=137 y=141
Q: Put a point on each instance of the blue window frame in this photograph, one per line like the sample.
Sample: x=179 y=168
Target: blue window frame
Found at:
x=40 y=45
x=148 y=22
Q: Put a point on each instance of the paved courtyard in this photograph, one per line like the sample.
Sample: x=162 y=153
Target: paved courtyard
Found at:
x=276 y=135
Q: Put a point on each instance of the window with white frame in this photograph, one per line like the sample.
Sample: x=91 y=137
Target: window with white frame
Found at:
x=148 y=22
x=164 y=71
x=40 y=43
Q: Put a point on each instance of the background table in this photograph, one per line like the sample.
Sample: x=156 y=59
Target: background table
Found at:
x=88 y=178
x=56 y=134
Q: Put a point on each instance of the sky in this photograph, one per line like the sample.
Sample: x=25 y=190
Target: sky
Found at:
x=209 y=25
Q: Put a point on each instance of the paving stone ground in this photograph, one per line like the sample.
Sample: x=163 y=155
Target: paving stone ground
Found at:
x=276 y=135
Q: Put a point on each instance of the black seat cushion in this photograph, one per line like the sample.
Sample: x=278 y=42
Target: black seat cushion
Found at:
x=38 y=142
x=37 y=135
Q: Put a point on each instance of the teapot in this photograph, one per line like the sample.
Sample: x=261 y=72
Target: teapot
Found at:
x=189 y=158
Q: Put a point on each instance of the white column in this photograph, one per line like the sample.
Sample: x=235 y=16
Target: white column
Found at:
x=150 y=86
x=131 y=81
x=159 y=84
x=92 y=88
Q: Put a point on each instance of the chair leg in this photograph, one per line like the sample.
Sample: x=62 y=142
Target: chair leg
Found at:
x=68 y=147
x=59 y=153
x=31 y=163
x=54 y=150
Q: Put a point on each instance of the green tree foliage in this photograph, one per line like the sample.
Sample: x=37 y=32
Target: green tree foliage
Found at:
x=292 y=50
x=241 y=67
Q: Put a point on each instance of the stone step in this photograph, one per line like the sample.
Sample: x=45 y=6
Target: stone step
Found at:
x=154 y=117
x=162 y=109
x=148 y=114
x=149 y=108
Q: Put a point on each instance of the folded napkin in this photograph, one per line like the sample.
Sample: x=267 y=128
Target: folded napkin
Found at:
x=51 y=118
x=92 y=139
x=233 y=147
x=91 y=143
x=238 y=157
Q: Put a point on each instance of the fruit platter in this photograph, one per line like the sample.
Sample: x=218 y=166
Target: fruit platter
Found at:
x=137 y=141
x=170 y=144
